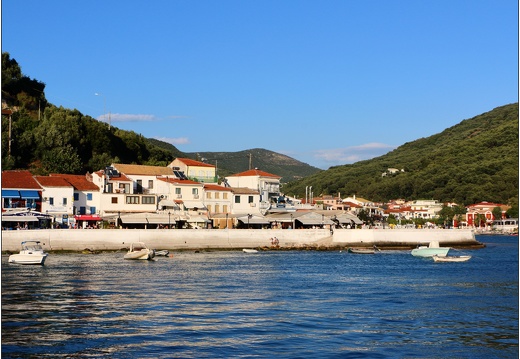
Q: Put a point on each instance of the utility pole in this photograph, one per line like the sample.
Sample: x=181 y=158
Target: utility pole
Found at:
x=250 y=160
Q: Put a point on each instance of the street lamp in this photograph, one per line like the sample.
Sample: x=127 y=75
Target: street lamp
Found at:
x=249 y=216
x=226 y=220
x=292 y=223
x=169 y=220
x=104 y=108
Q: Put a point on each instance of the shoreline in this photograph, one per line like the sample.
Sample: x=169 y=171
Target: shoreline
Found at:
x=94 y=240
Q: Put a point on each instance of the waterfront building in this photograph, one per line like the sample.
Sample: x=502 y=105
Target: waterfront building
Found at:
x=481 y=214
x=195 y=170
x=20 y=191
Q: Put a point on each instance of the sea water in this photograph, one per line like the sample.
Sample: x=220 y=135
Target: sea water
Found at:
x=283 y=304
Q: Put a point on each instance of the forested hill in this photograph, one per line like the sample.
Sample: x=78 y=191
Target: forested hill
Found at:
x=476 y=160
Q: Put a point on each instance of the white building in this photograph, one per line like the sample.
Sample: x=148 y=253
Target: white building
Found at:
x=194 y=170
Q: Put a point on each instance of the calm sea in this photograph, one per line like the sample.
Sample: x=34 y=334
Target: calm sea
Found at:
x=294 y=304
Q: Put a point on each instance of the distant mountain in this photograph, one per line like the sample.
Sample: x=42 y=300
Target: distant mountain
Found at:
x=476 y=160
x=235 y=162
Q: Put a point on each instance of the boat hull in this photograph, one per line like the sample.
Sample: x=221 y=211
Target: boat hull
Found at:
x=245 y=250
x=361 y=250
x=143 y=254
x=430 y=252
x=35 y=259
x=451 y=258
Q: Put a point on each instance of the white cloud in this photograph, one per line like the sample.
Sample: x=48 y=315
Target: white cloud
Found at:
x=174 y=141
x=126 y=117
x=347 y=155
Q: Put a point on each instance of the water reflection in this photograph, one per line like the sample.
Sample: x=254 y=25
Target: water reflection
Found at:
x=285 y=304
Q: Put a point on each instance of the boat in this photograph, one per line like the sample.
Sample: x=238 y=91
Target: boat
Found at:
x=246 y=250
x=139 y=250
x=163 y=253
x=451 y=258
x=361 y=250
x=433 y=249
x=32 y=253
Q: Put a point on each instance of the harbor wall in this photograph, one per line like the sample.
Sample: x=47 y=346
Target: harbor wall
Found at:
x=187 y=239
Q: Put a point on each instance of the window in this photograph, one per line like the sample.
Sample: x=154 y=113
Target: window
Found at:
x=194 y=191
x=82 y=210
x=225 y=195
x=209 y=208
x=92 y=210
x=89 y=196
x=148 y=200
x=224 y=208
x=177 y=191
x=132 y=200
x=150 y=184
x=217 y=209
x=76 y=196
x=237 y=199
x=217 y=195
x=139 y=186
x=208 y=195
x=64 y=201
x=250 y=200
x=51 y=201
x=114 y=200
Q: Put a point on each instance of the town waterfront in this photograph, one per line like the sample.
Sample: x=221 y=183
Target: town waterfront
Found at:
x=284 y=304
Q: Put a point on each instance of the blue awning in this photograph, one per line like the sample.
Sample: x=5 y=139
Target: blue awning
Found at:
x=30 y=194
x=10 y=193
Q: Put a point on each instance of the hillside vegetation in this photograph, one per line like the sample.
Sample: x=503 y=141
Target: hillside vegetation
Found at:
x=476 y=160
x=275 y=163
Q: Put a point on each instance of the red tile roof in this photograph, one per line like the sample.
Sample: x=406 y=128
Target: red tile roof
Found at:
x=254 y=172
x=79 y=182
x=19 y=179
x=190 y=162
x=47 y=181
x=215 y=187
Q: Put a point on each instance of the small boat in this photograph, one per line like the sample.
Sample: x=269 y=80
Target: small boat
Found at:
x=163 y=253
x=362 y=250
x=433 y=249
x=451 y=258
x=139 y=250
x=31 y=253
x=246 y=250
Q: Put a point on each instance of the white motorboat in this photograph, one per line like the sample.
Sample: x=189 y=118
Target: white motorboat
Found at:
x=32 y=253
x=139 y=250
x=433 y=249
x=163 y=253
x=451 y=258
x=246 y=250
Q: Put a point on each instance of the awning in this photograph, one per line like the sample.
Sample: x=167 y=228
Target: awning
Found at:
x=149 y=219
x=87 y=217
x=313 y=220
x=10 y=193
x=194 y=205
x=30 y=194
x=168 y=203
x=198 y=220
x=254 y=220
x=19 y=219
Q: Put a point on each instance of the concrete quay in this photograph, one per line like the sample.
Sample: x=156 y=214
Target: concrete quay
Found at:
x=231 y=239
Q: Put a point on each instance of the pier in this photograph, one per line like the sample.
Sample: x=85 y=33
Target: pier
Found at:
x=230 y=239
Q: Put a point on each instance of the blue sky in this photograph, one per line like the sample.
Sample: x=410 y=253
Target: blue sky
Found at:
x=325 y=82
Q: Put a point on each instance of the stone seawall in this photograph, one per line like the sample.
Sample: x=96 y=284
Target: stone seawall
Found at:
x=192 y=239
